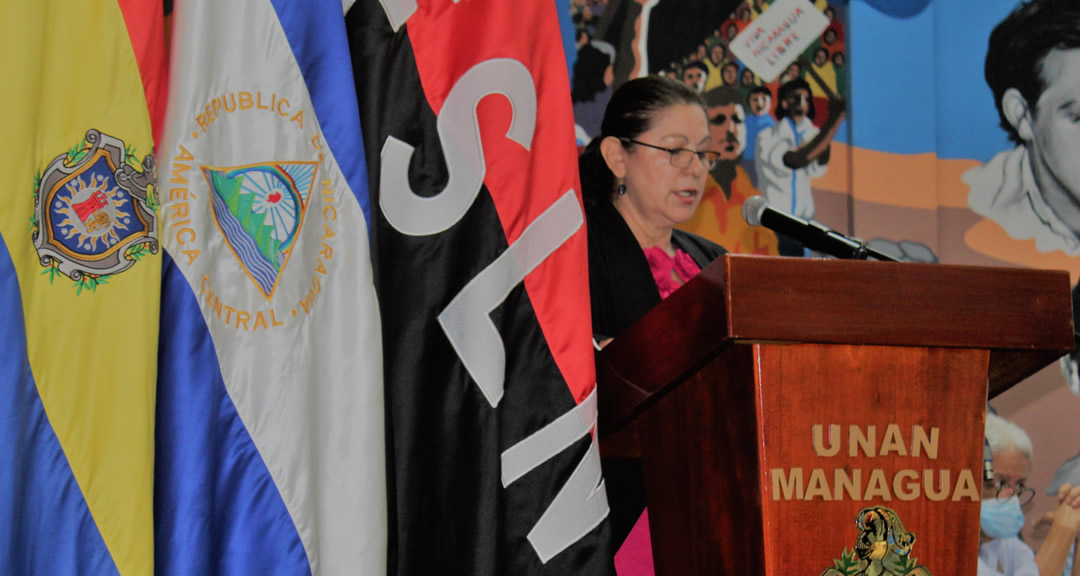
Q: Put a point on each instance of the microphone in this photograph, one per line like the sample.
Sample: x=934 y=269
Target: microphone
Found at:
x=757 y=212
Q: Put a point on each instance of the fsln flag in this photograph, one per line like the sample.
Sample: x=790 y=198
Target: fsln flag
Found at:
x=480 y=259
x=80 y=271
x=270 y=432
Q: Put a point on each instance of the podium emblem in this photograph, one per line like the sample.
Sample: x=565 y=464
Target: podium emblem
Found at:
x=882 y=547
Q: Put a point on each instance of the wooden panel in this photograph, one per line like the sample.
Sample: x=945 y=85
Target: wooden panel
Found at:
x=624 y=443
x=1009 y=367
x=1024 y=316
x=899 y=304
x=699 y=447
x=667 y=345
x=890 y=390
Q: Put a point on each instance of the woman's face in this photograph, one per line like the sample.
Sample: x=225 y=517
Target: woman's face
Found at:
x=661 y=194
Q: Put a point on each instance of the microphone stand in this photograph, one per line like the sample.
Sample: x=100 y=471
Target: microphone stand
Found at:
x=816 y=234
x=866 y=251
x=859 y=250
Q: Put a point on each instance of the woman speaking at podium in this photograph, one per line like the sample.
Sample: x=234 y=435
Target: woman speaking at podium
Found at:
x=644 y=174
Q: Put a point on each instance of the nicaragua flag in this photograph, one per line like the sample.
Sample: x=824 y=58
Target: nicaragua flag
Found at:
x=270 y=441
x=80 y=271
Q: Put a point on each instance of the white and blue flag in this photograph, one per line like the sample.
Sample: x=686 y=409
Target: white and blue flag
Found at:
x=270 y=429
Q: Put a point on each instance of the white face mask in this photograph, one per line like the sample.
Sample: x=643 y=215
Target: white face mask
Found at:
x=1001 y=518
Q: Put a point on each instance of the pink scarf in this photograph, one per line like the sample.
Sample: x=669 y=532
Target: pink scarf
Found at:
x=661 y=265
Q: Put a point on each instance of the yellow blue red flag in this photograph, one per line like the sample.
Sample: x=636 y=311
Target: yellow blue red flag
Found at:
x=80 y=273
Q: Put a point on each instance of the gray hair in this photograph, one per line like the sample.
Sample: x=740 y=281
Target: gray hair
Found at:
x=1003 y=435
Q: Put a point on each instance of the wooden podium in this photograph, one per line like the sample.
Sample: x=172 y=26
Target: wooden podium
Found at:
x=798 y=417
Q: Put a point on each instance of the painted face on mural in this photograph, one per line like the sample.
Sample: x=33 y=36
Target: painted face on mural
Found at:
x=792 y=72
x=821 y=56
x=1055 y=125
x=730 y=73
x=716 y=54
x=760 y=104
x=727 y=130
x=797 y=103
x=694 y=77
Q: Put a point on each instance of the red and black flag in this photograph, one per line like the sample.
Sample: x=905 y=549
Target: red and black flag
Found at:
x=479 y=251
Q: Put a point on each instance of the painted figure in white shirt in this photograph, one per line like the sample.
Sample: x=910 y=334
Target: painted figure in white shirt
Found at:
x=793 y=152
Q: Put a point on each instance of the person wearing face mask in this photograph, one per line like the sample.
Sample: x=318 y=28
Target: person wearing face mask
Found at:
x=1001 y=552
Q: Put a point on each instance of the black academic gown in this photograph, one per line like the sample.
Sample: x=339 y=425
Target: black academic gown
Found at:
x=622 y=290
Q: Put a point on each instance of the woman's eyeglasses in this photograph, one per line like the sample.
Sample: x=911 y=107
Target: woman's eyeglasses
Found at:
x=681 y=157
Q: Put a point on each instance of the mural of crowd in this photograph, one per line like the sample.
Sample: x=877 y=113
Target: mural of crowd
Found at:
x=774 y=137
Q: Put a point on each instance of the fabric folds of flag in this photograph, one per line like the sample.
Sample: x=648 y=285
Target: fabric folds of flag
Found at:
x=480 y=259
x=270 y=435
x=80 y=272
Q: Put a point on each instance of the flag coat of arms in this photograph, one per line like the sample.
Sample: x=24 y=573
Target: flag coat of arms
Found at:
x=270 y=434
x=480 y=258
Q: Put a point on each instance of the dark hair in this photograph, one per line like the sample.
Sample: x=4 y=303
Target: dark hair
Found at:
x=696 y=64
x=629 y=114
x=589 y=72
x=786 y=90
x=722 y=96
x=1019 y=45
x=839 y=53
x=820 y=50
x=759 y=90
